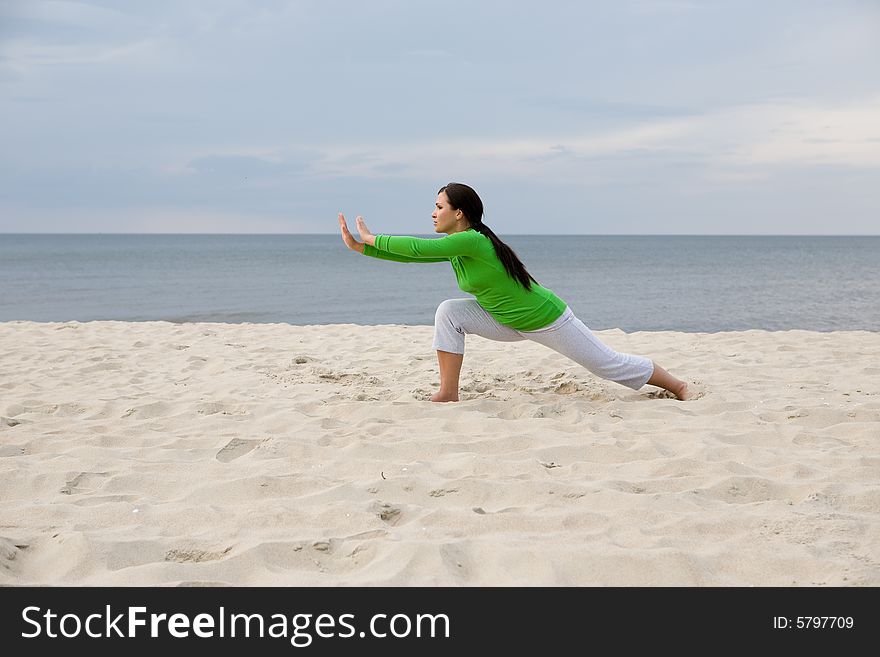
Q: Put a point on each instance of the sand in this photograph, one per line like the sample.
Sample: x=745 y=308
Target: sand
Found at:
x=152 y=453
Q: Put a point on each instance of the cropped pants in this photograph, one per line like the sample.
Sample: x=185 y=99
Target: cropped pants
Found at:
x=568 y=335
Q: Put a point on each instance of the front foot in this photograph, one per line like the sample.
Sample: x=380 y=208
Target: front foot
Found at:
x=443 y=397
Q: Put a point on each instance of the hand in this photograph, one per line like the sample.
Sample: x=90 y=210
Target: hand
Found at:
x=347 y=237
x=366 y=235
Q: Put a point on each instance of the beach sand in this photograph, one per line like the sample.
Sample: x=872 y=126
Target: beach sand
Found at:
x=267 y=454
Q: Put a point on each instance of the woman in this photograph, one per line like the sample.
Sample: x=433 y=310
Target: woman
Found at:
x=510 y=305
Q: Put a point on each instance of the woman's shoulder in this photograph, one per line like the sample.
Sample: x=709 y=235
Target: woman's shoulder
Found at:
x=476 y=245
x=472 y=235
x=467 y=234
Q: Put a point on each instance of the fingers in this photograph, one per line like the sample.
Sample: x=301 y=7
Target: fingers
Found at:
x=343 y=226
x=346 y=236
x=349 y=239
x=362 y=226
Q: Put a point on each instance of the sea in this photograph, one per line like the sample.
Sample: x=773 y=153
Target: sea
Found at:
x=634 y=283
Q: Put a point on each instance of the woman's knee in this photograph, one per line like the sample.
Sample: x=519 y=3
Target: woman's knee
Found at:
x=443 y=309
x=448 y=309
x=448 y=332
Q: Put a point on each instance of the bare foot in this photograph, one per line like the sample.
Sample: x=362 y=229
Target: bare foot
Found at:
x=443 y=397
x=682 y=393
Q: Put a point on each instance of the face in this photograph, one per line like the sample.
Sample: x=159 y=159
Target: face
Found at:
x=447 y=220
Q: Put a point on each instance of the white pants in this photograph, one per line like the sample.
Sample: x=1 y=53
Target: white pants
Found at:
x=568 y=335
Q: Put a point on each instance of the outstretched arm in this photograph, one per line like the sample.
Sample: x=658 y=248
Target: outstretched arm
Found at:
x=368 y=250
x=457 y=244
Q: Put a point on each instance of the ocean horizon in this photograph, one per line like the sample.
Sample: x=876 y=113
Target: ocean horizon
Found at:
x=694 y=283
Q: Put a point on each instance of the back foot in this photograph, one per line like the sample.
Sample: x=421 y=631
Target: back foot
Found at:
x=682 y=393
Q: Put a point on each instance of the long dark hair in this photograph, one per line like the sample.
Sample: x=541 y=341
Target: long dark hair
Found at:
x=461 y=197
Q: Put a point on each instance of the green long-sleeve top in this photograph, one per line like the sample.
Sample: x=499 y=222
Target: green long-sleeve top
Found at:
x=479 y=272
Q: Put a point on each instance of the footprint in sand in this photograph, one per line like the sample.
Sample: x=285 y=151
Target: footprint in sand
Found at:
x=441 y=492
x=236 y=448
x=189 y=555
x=195 y=363
x=389 y=513
x=567 y=388
x=212 y=408
x=455 y=559
x=10 y=551
x=84 y=482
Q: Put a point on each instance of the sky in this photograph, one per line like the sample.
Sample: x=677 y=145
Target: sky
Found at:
x=652 y=117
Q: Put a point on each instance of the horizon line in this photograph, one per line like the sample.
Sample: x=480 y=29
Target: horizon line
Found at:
x=511 y=234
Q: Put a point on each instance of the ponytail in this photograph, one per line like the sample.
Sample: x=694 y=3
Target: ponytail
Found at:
x=461 y=197
x=507 y=256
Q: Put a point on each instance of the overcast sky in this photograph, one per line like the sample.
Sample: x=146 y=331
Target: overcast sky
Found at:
x=617 y=117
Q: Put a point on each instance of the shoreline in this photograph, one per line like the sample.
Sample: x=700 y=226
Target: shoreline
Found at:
x=26 y=322
x=155 y=453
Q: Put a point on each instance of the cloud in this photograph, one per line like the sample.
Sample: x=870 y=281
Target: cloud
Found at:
x=291 y=107
x=236 y=165
x=429 y=53
x=756 y=136
x=808 y=134
x=24 y=56
x=654 y=7
x=67 y=14
x=158 y=219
